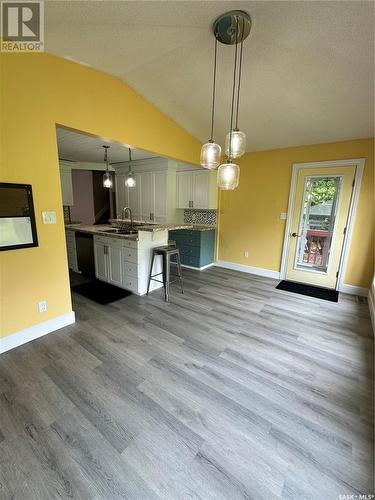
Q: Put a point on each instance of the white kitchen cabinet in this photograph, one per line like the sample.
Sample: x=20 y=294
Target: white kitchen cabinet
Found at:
x=66 y=185
x=196 y=189
x=134 y=201
x=147 y=196
x=125 y=262
x=129 y=197
x=71 y=250
x=114 y=260
x=201 y=189
x=101 y=267
x=108 y=260
x=160 y=197
x=148 y=200
x=122 y=195
x=184 y=189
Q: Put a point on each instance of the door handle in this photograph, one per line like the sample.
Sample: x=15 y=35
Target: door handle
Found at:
x=295 y=235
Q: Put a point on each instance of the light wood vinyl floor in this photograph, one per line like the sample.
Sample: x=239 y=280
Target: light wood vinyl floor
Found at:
x=233 y=390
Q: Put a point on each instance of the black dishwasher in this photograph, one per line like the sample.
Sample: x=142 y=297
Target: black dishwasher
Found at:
x=85 y=254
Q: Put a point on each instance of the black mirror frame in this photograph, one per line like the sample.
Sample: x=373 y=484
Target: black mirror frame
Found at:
x=28 y=187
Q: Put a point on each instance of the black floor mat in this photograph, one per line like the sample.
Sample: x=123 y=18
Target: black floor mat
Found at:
x=100 y=292
x=311 y=291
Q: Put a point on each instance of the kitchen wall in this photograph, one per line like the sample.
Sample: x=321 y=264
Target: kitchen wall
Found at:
x=249 y=217
x=40 y=91
x=83 y=209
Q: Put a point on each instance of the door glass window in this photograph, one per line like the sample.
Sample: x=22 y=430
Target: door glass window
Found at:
x=317 y=222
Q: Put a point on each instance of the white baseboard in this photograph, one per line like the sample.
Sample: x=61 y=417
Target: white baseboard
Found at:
x=259 y=271
x=371 y=306
x=353 y=290
x=197 y=268
x=33 y=332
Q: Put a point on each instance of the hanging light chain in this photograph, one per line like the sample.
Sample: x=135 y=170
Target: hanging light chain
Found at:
x=233 y=95
x=213 y=93
x=106 y=156
x=239 y=73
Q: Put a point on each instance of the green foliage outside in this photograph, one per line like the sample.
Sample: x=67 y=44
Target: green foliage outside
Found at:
x=323 y=190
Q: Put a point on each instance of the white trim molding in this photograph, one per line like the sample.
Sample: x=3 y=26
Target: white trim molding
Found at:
x=371 y=304
x=258 y=271
x=196 y=268
x=33 y=332
x=359 y=163
x=353 y=290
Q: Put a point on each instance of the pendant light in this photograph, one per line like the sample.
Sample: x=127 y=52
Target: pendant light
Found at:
x=211 y=152
x=130 y=181
x=228 y=174
x=107 y=177
x=236 y=140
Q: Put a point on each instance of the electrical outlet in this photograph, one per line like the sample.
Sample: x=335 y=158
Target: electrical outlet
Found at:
x=42 y=306
x=246 y=253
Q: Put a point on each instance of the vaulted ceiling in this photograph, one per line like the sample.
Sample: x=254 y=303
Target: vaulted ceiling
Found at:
x=308 y=66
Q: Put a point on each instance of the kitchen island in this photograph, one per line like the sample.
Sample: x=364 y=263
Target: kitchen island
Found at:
x=123 y=260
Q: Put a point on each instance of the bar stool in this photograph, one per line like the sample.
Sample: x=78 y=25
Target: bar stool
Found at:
x=166 y=253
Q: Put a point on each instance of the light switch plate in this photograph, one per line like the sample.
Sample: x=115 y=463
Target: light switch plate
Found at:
x=283 y=216
x=49 y=217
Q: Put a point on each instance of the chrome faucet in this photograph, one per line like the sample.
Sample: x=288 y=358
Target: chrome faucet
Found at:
x=124 y=211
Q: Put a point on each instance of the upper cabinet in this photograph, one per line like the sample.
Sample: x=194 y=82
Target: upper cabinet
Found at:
x=196 y=189
x=184 y=189
x=161 y=189
x=66 y=184
x=151 y=199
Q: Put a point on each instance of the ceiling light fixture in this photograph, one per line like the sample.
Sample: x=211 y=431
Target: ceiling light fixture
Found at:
x=231 y=28
x=130 y=181
x=211 y=152
x=107 y=177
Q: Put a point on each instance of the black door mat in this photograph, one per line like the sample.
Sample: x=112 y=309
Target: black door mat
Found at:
x=100 y=292
x=311 y=291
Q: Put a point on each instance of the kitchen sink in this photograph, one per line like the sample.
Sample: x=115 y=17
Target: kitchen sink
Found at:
x=120 y=231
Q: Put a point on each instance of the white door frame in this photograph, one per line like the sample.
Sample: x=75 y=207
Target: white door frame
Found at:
x=359 y=164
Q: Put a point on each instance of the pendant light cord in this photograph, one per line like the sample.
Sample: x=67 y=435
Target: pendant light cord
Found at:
x=233 y=94
x=239 y=74
x=213 y=93
x=106 y=157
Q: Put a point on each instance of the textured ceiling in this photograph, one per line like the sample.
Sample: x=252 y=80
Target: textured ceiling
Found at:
x=86 y=148
x=308 y=66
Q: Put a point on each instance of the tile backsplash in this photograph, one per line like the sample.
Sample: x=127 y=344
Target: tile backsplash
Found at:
x=200 y=216
x=66 y=209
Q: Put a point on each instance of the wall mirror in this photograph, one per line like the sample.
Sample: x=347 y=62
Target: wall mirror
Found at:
x=17 y=217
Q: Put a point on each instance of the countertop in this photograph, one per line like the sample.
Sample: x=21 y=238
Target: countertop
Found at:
x=102 y=229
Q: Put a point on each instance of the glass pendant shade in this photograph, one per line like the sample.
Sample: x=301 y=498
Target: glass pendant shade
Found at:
x=107 y=180
x=130 y=180
x=228 y=176
x=238 y=144
x=210 y=155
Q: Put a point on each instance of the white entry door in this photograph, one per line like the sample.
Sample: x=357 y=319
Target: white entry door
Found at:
x=318 y=223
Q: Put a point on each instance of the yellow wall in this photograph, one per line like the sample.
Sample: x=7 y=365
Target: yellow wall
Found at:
x=38 y=91
x=250 y=215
